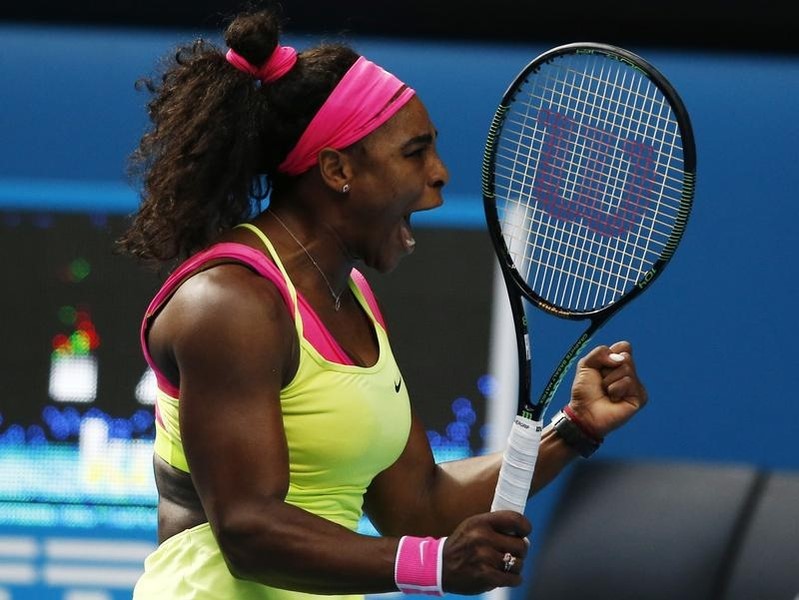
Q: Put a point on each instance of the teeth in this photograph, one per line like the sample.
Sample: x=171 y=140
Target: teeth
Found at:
x=408 y=239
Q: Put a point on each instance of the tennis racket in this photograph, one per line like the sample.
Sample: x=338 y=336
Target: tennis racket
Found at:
x=588 y=180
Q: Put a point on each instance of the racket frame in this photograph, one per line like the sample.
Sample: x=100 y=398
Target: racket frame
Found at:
x=516 y=285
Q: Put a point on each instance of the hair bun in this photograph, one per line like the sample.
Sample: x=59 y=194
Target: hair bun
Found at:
x=254 y=35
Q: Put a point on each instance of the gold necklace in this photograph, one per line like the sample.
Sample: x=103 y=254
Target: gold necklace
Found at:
x=336 y=297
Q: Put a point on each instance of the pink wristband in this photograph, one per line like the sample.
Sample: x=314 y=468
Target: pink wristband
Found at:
x=417 y=567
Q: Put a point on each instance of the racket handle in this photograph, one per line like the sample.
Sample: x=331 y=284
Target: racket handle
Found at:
x=518 y=465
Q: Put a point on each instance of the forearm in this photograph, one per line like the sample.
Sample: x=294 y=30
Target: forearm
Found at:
x=465 y=487
x=290 y=549
x=553 y=456
x=283 y=546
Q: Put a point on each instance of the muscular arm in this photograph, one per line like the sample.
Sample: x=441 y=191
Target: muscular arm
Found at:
x=229 y=336
x=417 y=496
x=234 y=344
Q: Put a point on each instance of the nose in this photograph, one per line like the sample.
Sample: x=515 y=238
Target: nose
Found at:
x=439 y=174
x=438 y=178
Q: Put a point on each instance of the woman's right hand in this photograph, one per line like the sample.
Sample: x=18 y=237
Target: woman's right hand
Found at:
x=474 y=555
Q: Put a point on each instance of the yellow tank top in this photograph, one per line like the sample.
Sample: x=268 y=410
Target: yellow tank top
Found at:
x=344 y=424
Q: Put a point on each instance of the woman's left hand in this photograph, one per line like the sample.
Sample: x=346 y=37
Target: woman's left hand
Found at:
x=607 y=392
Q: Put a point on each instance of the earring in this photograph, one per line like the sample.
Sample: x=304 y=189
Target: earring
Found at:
x=345 y=188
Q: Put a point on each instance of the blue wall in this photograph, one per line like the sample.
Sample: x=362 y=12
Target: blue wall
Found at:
x=713 y=340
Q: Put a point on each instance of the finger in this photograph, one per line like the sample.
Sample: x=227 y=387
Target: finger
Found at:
x=510 y=522
x=512 y=580
x=511 y=564
x=623 y=389
x=623 y=363
x=629 y=390
x=621 y=347
x=624 y=371
x=602 y=358
x=515 y=546
x=623 y=380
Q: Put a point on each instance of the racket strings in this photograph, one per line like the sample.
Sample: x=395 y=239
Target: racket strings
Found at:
x=671 y=169
x=515 y=185
x=577 y=263
x=642 y=104
x=589 y=178
x=583 y=259
x=513 y=176
x=532 y=135
x=523 y=242
x=610 y=87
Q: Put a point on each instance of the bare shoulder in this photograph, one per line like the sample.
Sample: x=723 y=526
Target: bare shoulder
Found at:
x=220 y=314
x=229 y=290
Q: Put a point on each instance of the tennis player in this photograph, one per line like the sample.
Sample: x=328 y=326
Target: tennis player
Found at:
x=281 y=413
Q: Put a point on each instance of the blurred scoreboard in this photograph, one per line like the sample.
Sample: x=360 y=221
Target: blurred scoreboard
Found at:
x=77 y=496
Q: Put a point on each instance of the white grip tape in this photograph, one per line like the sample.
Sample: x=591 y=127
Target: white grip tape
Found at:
x=518 y=465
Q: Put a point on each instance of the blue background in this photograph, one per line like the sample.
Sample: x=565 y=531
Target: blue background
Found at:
x=713 y=341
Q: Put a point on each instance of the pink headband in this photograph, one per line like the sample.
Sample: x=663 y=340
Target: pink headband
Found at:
x=365 y=98
x=282 y=59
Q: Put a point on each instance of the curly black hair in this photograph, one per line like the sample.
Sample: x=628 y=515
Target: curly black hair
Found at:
x=210 y=157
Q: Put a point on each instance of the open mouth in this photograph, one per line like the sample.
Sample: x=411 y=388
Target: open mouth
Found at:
x=408 y=240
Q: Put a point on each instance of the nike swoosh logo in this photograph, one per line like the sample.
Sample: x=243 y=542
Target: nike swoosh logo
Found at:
x=398 y=385
x=421 y=551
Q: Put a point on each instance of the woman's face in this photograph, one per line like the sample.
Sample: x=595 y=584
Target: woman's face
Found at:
x=396 y=172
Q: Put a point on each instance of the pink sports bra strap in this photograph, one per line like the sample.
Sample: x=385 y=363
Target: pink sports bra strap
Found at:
x=237 y=253
x=368 y=295
x=312 y=329
x=240 y=253
x=318 y=335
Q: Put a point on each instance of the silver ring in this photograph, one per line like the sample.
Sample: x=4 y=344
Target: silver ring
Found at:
x=509 y=560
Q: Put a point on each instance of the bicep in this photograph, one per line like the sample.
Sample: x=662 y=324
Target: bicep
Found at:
x=232 y=348
x=416 y=496
x=399 y=494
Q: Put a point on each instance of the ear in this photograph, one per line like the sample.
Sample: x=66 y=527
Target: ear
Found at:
x=335 y=167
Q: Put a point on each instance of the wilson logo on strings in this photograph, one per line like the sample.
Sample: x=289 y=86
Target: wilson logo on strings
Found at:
x=591 y=175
